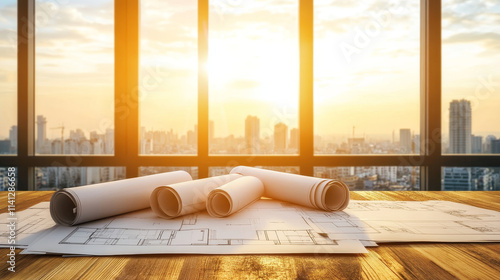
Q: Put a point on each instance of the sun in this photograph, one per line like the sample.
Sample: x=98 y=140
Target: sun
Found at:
x=269 y=72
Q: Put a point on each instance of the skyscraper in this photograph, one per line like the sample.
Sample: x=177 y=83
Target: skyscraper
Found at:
x=41 y=125
x=495 y=146
x=476 y=144
x=252 y=135
x=280 y=137
x=13 y=138
x=405 y=140
x=460 y=127
x=294 y=138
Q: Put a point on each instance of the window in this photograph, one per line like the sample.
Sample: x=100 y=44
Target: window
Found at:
x=366 y=77
x=201 y=93
x=74 y=77
x=253 y=68
x=8 y=77
x=168 y=75
x=471 y=81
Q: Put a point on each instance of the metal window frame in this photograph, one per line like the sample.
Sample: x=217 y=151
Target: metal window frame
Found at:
x=430 y=159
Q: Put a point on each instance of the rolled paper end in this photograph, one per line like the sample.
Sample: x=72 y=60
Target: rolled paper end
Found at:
x=219 y=204
x=63 y=208
x=335 y=196
x=166 y=202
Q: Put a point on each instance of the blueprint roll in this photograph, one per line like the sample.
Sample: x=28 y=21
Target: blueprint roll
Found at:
x=325 y=194
x=234 y=196
x=73 y=206
x=174 y=200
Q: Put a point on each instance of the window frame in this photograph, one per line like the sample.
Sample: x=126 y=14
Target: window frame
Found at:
x=430 y=159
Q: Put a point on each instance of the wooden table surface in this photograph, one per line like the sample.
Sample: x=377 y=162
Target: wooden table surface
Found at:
x=388 y=261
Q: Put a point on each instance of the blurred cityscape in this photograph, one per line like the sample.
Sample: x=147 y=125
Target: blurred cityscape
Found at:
x=285 y=140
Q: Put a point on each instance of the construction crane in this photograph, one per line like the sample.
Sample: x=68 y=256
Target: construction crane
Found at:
x=62 y=136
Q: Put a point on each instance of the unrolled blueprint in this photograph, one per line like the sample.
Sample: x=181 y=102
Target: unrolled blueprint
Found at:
x=265 y=227
x=270 y=226
x=28 y=223
x=410 y=221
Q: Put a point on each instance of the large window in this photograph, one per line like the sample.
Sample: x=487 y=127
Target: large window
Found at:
x=366 y=77
x=253 y=68
x=8 y=77
x=74 y=77
x=471 y=80
x=168 y=75
x=337 y=89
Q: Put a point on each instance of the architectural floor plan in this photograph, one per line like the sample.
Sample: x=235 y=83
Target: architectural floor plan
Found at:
x=270 y=226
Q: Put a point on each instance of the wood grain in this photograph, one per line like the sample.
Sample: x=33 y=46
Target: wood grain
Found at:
x=388 y=261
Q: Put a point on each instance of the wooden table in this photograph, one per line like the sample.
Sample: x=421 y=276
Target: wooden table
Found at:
x=388 y=261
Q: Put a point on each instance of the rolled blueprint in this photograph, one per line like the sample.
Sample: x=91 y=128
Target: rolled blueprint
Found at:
x=73 y=206
x=233 y=196
x=170 y=201
x=325 y=194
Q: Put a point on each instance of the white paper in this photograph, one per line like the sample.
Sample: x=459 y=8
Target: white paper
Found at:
x=325 y=194
x=29 y=223
x=264 y=227
x=411 y=221
x=184 y=198
x=234 y=196
x=73 y=206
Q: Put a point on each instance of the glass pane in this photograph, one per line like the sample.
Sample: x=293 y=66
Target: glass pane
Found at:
x=224 y=170
x=366 y=76
x=7 y=176
x=253 y=72
x=74 y=83
x=471 y=178
x=149 y=170
x=377 y=178
x=54 y=178
x=8 y=77
x=471 y=81
x=168 y=77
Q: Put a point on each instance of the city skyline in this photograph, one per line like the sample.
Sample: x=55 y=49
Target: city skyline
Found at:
x=282 y=140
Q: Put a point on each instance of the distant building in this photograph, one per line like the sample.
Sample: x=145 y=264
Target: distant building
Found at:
x=476 y=144
x=487 y=144
x=13 y=139
x=280 y=137
x=41 y=125
x=495 y=146
x=294 y=139
x=458 y=179
x=5 y=146
x=405 y=140
x=252 y=135
x=416 y=143
x=460 y=127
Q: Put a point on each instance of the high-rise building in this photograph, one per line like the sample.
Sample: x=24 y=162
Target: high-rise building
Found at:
x=476 y=144
x=405 y=140
x=41 y=138
x=416 y=143
x=487 y=143
x=294 y=138
x=495 y=146
x=459 y=179
x=280 y=137
x=13 y=138
x=252 y=134
x=460 y=127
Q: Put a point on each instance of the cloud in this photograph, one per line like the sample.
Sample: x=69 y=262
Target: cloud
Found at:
x=489 y=40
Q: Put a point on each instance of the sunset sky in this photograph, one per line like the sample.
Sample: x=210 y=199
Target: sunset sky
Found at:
x=366 y=65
